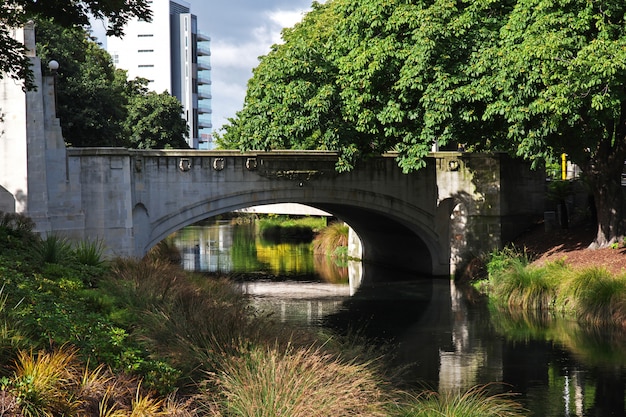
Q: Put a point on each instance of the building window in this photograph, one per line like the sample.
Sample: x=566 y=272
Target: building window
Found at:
x=146 y=66
x=145 y=50
x=116 y=58
x=145 y=35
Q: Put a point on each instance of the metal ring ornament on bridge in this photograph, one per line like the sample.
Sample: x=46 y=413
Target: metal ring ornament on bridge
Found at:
x=454 y=165
x=218 y=164
x=184 y=164
x=251 y=164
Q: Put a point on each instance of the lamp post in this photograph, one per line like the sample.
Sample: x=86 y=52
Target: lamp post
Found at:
x=53 y=66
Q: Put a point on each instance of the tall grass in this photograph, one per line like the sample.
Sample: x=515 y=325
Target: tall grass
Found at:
x=53 y=249
x=11 y=338
x=56 y=383
x=599 y=297
x=592 y=295
x=334 y=236
x=268 y=382
x=41 y=383
x=476 y=402
x=193 y=321
x=165 y=250
x=525 y=287
x=90 y=252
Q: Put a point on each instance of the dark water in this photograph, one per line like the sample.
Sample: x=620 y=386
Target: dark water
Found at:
x=442 y=337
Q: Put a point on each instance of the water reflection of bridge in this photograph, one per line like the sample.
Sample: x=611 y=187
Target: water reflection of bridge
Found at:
x=297 y=302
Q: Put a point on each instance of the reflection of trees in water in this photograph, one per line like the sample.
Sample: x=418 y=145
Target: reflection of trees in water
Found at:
x=584 y=369
x=329 y=271
x=243 y=250
x=286 y=258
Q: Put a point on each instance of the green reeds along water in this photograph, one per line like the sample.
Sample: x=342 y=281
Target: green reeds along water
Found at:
x=592 y=295
x=329 y=239
x=475 y=402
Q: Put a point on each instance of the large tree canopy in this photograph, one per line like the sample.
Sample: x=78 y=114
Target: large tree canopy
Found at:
x=155 y=121
x=67 y=13
x=530 y=77
x=96 y=104
x=91 y=93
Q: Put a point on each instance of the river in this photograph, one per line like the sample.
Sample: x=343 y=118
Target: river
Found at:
x=441 y=335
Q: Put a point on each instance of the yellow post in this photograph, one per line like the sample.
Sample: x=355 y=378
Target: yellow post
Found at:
x=563 y=166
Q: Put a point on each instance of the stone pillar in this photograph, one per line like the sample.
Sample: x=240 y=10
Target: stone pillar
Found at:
x=34 y=177
x=13 y=137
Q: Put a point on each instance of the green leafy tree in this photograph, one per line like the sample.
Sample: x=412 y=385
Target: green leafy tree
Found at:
x=529 y=77
x=155 y=122
x=91 y=94
x=95 y=99
x=67 y=13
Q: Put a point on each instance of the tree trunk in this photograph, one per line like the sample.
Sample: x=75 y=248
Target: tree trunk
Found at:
x=609 y=201
x=605 y=175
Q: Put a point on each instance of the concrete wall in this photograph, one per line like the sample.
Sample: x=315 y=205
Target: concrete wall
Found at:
x=429 y=221
x=13 y=142
x=489 y=200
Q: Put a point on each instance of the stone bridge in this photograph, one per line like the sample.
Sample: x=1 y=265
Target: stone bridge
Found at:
x=430 y=221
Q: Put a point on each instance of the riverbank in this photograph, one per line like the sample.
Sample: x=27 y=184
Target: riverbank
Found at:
x=556 y=271
x=572 y=247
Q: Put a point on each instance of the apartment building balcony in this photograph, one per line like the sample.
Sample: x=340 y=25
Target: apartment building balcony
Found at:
x=203 y=36
x=204 y=123
x=204 y=95
x=203 y=48
x=204 y=108
x=204 y=64
x=204 y=79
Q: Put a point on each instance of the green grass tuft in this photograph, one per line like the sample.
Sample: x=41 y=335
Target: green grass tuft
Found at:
x=90 y=252
x=297 y=383
x=476 y=402
x=53 y=249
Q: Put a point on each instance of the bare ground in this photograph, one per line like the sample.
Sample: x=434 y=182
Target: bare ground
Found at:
x=571 y=245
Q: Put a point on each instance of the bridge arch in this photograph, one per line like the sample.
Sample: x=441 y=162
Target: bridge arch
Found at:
x=402 y=238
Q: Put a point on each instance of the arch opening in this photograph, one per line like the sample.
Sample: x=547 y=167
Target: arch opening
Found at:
x=386 y=241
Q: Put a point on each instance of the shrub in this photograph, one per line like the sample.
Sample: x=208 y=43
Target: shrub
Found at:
x=476 y=402
x=16 y=223
x=89 y=252
x=287 y=229
x=503 y=259
x=53 y=249
x=297 y=383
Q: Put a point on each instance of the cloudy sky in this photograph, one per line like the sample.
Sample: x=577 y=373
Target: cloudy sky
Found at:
x=241 y=31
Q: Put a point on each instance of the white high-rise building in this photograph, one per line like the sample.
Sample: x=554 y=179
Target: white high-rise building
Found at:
x=166 y=51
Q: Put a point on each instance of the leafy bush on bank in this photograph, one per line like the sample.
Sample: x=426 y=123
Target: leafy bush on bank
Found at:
x=280 y=228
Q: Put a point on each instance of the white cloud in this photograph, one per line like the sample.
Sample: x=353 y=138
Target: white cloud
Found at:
x=233 y=60
x=286 y=18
